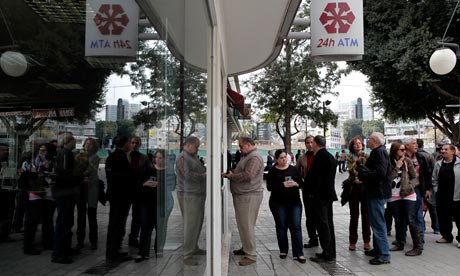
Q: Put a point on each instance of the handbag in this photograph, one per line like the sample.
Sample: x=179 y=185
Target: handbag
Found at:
x=346 y=190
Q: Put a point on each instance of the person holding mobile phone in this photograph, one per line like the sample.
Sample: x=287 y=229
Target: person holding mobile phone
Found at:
x=284 y=181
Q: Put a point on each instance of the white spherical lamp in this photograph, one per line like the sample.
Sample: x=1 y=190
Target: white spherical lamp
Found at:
x=14 y=64
x=442 y=61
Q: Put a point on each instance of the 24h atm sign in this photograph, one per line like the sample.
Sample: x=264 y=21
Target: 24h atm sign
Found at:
x=337 y=30
x=111 y=28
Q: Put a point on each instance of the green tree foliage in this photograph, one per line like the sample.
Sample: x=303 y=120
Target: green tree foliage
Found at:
x=105 y=130
x=291 y=87
x=176 y=92
x=126 y=128
x=352 y=128
x=400 y=38
x=372 y=126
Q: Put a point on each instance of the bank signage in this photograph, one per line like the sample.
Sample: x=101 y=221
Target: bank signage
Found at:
x=111 y=28
x=337 y=31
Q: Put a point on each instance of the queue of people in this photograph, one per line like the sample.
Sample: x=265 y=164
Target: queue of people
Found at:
x=58 y=180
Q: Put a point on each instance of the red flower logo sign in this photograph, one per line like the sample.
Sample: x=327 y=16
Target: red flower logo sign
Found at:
x=337 y=22
x=111 y=19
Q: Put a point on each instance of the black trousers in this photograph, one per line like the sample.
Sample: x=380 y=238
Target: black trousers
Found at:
x=7 y=200
x=310 y=219
x=325 y=225
x=82 y=212
x=22 y=197
x=448 y=209
x=119 y=210
x=39 y=210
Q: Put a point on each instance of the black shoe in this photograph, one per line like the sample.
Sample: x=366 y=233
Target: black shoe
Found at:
x=321 y=260
x=397 y=248
x=371 y=253
x=134 y=243
x=239 y=252
x=32 y=251
x=139 y=259
x=310 y=245
x=300 y=259
x=119 y=258
x=378 y=261
x=62 y=260
x=283 y=255
x=321 y=255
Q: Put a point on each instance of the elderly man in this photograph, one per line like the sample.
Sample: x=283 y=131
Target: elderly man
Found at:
x=191 y=194
x=376 y=178
x=320 y=187
x=246 y=187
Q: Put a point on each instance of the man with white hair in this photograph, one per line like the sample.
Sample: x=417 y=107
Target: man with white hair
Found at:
x=376 y=181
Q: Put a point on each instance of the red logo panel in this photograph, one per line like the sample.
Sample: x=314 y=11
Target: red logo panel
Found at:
x=111 y=19
x=337 y=17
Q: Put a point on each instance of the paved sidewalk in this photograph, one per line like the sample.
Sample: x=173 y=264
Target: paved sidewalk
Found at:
x=437 y=259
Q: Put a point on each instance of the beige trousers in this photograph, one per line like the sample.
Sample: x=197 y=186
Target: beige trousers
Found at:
x=246 y=211
x=192 y=209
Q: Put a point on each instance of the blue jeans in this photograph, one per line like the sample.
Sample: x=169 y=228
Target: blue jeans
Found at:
x=404 y=213
x=288 y=216
x=419 y=212
x=376 y=210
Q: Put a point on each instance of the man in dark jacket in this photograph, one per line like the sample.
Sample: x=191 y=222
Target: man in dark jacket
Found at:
x=120 y=192
x=376 y=178
x=320 y=186
x=65 y=192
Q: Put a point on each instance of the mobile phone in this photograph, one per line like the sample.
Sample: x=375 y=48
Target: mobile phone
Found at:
x=288 y=178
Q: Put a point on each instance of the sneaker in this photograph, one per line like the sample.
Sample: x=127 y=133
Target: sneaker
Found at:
x=246 y=261
x=379 y=261
x=443 y=240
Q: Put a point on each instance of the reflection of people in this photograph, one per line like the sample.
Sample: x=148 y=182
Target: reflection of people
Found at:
x=320 y=185
x=89 y=195
x=446 y=184
x=303 y=165
x=140 y=165
x=377 y=186
x=403 y=200
x=120 y=193
x=6 y=198
x=246 y=187
x=270 y=160
x=357 y=196
x=191 y=194
x=283 y=181
x=156 y=204
x=65 y=193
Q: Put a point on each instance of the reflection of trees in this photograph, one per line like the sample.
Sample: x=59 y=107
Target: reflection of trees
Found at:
x=177 y=92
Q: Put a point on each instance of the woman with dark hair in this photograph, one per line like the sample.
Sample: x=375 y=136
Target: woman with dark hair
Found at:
x=156 y=204
x=89 y=193
x=403 y=200
x=355 y=157
x=284 y=181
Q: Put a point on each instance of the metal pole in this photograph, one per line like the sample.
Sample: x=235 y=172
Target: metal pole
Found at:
x=324 y=120
x=148 y=127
